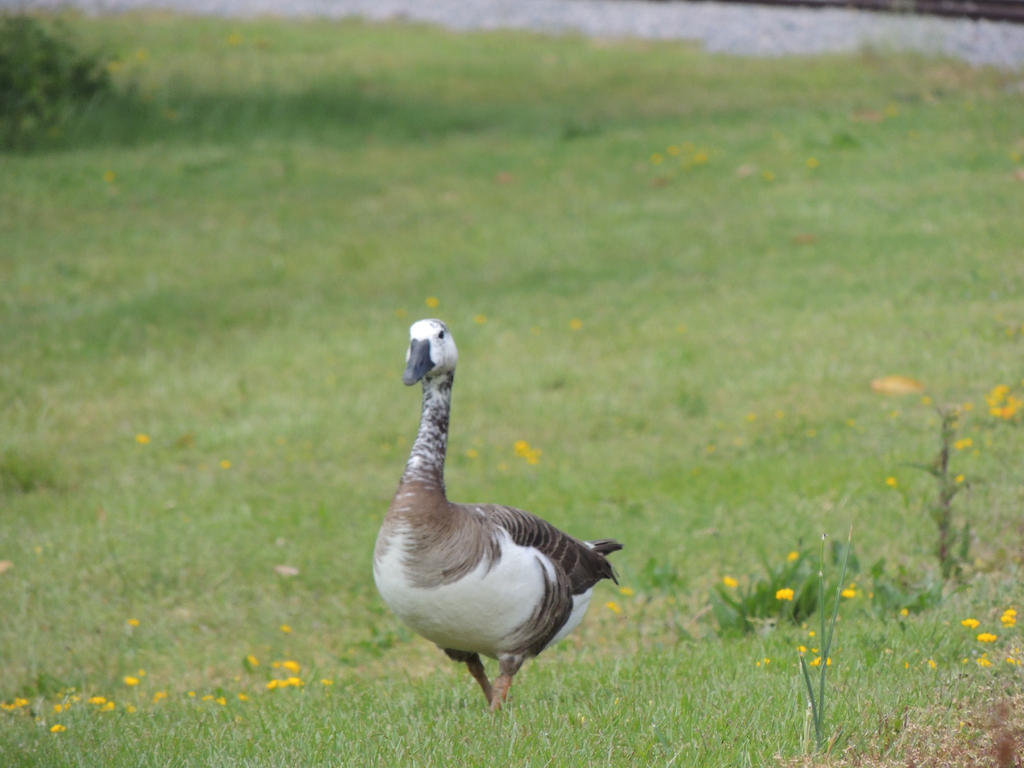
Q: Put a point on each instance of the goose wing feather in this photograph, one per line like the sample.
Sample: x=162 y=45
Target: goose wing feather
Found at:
x=583 y=564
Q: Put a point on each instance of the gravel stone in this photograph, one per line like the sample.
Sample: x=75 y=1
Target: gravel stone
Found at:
x=745 y=30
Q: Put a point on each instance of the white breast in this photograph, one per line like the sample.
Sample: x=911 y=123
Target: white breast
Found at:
x=478 y=612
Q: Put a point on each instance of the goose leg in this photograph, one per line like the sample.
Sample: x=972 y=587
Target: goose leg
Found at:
x=508 y=665
x=476 y=669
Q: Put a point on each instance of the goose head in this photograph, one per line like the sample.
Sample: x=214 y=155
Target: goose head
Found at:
x=431 y=351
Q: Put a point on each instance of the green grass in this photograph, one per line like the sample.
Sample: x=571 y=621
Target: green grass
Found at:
x=226 y=257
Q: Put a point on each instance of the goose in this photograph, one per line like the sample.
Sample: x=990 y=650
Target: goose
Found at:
x=475 y=579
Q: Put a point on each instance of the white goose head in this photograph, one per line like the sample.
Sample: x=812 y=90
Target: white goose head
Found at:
x=431 y=351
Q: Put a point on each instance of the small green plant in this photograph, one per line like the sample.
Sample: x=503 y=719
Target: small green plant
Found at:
x=816 y=700
x=952 y=547
x=786 y=592
x=43 y=78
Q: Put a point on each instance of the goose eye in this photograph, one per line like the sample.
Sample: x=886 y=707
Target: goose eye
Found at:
x=440 y=334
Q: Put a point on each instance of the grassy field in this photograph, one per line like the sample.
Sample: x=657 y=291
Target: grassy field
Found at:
x=673 y=274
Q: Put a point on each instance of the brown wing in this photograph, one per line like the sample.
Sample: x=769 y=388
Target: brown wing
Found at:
x=582 y=565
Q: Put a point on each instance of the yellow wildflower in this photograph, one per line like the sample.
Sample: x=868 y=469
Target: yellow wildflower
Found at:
x=253 y=661
x=987 y=637
x=612 y=606
x=142 y=439
x=242 y=697
x=784 y=594
x=812 y=162
x=291 y=666
x=130 y=680
x=57 y=728
x=983 y=662
x=286 y=629
x=627 y=591
x=326 y=682
x=479 y=319
x=848 y=593
x=729 y=581
x=965 y=442
x=98 y=700
x=970 y=623
x=108 y=707
x=794 y=555
x=225 y=464
x=159 y=696
x=432 y=302
x=891 y=481
x=575 y=324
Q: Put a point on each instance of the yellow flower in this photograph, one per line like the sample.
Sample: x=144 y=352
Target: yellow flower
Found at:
x=627 y=591
x=575 y=324
x=142 y=439
x=801 y=649
x=987 y=637
x=480 y=319
x=133 y=622
x=272 y=684
x=432 y=302
x=891 y=481
x=253 y=661
x=932 y=664
x=108 y=707
x=656 y=157
x=221 y=700
x=286 y=629
x=812 y=162
x=293 y=681
x=784 y=594
x=613 y=607
x=983 y=662
x=848 y=593
x=904 y=612
x=129 y=680
x=970 y=623
x=130 y=708
x=965 y=442
x=159 y=696
x=58 y=728
x=729 y=581
x=98 y=700
x=225 y=464
x=325 y=682
x=958 y=479
x=291 y=666
x=471 y=453
x=1009 y=617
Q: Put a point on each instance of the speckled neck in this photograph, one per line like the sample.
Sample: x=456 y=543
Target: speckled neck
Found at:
x=426 y=459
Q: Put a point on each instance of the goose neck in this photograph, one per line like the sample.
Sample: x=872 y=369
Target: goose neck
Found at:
x=426 y=459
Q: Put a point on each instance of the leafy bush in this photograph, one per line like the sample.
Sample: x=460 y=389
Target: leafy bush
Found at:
x=786 y=592
x=44 y=77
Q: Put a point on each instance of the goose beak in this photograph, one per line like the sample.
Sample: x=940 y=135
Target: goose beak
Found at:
x=418 y=363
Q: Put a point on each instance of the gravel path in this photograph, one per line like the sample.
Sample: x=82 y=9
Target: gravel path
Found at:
x=737 y=29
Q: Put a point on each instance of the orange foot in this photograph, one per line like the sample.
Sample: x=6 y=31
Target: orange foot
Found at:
x=500 y=691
